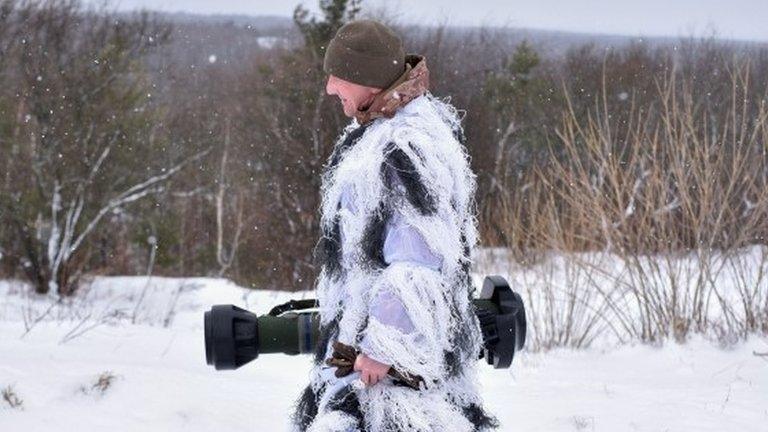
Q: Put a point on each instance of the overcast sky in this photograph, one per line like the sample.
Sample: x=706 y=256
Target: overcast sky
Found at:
x=737 y=19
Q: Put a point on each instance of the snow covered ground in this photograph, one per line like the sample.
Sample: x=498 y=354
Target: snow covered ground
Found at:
x=151 y=362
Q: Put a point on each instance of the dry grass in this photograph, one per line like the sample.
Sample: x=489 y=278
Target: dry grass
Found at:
x=12 y=398
x=677 y=191
x=100 y=385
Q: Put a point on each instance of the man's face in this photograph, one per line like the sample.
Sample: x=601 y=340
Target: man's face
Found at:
x=353 y=96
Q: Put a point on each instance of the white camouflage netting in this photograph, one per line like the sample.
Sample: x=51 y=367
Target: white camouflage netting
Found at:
x=436 y=302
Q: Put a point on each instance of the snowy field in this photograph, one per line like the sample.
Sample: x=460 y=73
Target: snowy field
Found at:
x=128 y=355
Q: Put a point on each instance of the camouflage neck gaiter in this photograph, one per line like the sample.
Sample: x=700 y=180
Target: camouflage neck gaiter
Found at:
x=413 y=83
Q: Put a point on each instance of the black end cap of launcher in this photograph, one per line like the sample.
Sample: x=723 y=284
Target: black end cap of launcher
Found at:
x=504 y=333
x=231 y=337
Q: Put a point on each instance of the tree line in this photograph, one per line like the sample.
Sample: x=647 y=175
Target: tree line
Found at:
x=126 y=148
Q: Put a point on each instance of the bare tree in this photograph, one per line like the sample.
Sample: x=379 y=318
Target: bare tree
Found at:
x=87 y=129
x=226 y=255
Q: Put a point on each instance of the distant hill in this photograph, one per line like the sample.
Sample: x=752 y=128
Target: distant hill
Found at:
x=265 y=23
x=551 y=42
x=207 y=40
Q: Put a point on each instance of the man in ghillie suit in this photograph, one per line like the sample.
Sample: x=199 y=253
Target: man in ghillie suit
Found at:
x=398 y=227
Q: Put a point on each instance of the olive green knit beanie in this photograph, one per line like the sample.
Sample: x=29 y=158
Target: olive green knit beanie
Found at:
x=365 y=52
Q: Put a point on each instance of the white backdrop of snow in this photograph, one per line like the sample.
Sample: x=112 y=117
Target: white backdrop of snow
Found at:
x=163 y=383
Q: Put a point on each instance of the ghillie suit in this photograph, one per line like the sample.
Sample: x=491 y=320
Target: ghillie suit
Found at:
x=404 y=171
